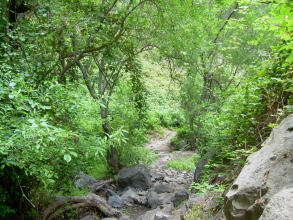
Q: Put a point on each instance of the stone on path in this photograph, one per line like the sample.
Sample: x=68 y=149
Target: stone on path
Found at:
x=115 y=201
x=137 y=177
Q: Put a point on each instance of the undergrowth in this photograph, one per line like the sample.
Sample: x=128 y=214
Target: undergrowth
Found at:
x=196 y=212
x=184 y=164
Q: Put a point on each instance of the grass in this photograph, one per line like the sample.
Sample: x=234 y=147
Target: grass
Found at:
x=184 y=164
x=196 y=213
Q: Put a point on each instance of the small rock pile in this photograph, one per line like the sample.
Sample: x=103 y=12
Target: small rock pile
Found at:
x=162 y=190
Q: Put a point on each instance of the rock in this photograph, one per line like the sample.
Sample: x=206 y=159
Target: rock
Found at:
x=149 y=215
x=125 y=217
x=142 y=193
x=169 y=179
x=181 y=181
x=280 y=206
x=153 y=199
x=167 y=208
x=161 y=188
x=141 y=200
x=162 y=216
x=115 y=201
x=179 y=212
x=109 y=193
x=270 y=168
x=169 y=173
x=200 y=166
x=137 y=177
x=180 y=196
x=166 y=198
x=88 y=217
x=82 y=180
x=179 y=187
x=129 y=195
x=157 y=175
x=193 y=199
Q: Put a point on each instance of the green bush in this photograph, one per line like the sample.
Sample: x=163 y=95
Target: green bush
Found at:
x=41 y=147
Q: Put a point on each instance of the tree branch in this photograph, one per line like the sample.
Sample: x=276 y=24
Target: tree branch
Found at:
x=223 y=26
x=87 y=81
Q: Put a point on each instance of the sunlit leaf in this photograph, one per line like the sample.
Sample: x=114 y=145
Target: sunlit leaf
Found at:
x=67 y=158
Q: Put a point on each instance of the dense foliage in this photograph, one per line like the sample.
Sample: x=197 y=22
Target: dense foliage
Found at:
x=82 y=83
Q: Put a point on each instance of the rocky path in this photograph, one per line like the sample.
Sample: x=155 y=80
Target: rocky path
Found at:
x=164 y=176
x=161 y=146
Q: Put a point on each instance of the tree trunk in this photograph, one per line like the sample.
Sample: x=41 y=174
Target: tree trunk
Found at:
x=112 y=156
x=105 y=116
x=191 y=134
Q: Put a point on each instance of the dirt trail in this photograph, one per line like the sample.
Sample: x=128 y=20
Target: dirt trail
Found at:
x=161 y=144
x=162 y=147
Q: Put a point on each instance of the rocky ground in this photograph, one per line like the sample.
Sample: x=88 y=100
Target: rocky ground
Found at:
x=164 y=196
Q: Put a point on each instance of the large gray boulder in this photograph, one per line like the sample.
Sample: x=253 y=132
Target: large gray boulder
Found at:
x=137 y=177
x=265 y=173
x=280 y=206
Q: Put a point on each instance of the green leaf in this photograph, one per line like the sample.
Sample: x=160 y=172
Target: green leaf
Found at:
x=272 y=125
x=67 y=158
x=51 y=138
x=12 y=84
x=73 y=153
x=32 y=121
x=11 y=96
x=44 y=124
x=45 y=107
x=290 y=58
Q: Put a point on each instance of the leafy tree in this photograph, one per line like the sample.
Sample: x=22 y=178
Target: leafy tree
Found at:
x=214 y=56
x=111 y=61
